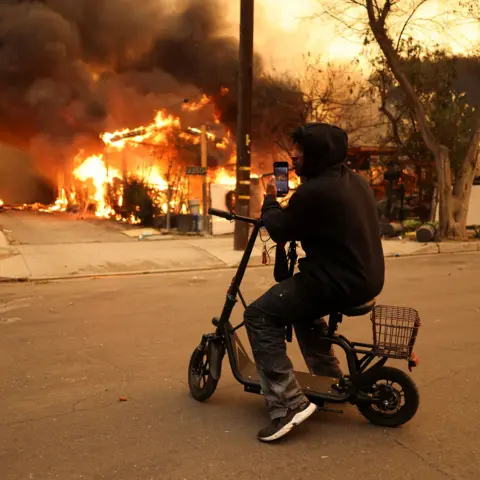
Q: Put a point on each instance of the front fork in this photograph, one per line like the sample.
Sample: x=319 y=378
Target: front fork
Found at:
x=215 y=348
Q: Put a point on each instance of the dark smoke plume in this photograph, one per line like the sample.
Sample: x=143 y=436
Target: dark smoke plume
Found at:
x=70 y=69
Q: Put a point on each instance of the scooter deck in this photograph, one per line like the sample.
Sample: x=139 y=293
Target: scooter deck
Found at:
x=310 y=383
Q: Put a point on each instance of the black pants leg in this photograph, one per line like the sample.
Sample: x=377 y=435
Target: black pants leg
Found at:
x=316 y=349
x=295 y=300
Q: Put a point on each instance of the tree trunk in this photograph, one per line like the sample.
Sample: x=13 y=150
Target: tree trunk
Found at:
x=434 y=205
x=449 y=227
x=463 y=186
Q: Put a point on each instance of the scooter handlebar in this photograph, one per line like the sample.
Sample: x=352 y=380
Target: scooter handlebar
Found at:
x=230 y=216
x=221 y=213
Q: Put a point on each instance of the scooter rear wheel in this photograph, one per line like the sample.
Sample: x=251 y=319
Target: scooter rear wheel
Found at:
x=200 y=381
x=396 y=395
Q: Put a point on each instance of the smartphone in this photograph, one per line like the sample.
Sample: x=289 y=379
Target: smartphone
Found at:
x=280 y=171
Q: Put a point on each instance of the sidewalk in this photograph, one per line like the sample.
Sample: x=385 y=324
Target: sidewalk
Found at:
x=156 y=255
x=35 y=262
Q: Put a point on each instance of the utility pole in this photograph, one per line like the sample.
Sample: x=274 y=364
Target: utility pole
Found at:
x=244 y=122
x=203 y=140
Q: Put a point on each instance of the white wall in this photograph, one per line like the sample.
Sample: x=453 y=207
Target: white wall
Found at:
x=218 y=195
x=473 y=217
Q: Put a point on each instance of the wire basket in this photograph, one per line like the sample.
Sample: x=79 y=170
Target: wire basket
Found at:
x=394 y=330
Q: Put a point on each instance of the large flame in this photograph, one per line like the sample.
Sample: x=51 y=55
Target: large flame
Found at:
x=94 y=169
x=223 y=177
x=155 y=132
x=99 y=183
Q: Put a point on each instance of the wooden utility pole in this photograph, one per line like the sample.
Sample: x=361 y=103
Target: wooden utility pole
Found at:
x=204 y=180
x=244 y=127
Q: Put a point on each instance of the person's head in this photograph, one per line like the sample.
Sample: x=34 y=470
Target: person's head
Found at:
x=318 y=146
x=297 y=159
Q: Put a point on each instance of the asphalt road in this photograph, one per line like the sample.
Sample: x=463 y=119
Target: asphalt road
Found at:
x=69 y=350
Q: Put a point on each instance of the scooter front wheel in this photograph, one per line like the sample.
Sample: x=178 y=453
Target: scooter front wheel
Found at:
x=201 y=383
x=394 y=397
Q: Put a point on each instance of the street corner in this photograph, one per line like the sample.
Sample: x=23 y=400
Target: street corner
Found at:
x=4 y=243
x=12 y=265
x=6 y=249
x=6 y=252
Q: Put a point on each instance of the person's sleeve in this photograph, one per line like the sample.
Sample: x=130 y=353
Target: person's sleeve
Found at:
x=283 y=224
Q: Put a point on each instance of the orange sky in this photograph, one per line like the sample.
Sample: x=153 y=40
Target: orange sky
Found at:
x=283 y=31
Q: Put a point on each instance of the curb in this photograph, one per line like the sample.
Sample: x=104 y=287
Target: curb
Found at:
x=447 y=249
x=134 y=273
x=439 y=248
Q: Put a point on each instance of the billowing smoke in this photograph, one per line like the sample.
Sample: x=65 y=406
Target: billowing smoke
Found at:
x=70 y=69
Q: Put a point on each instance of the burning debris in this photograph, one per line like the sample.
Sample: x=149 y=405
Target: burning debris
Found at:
x=81 y=80
x=140 y=172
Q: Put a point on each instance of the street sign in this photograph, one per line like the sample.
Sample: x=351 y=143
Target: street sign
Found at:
x=196 y=170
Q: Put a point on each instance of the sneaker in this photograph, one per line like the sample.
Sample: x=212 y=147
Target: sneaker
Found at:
x=281 y=426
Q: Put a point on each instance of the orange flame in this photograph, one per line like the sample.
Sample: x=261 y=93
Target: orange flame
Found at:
x=153 y=132
x=223 y=177
x=194 y=106
x=103 y=185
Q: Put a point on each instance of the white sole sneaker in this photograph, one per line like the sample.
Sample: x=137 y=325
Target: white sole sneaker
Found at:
x=299 y=418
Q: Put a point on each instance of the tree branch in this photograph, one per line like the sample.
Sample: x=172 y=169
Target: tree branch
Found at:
x=412 y=14
x=393 y=60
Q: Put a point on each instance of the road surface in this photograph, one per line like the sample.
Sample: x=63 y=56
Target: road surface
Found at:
x=70 y=350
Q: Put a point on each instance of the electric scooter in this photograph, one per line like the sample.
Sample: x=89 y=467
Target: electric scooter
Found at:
x=384 y=395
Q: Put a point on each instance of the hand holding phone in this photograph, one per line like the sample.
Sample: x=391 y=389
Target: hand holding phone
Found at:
x=280 y=171
x=271 y=188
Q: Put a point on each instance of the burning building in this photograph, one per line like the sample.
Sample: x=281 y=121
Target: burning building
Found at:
x=141 y=171
x=109 y=98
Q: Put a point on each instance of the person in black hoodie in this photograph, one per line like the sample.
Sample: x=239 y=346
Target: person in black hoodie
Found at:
x=334 y=216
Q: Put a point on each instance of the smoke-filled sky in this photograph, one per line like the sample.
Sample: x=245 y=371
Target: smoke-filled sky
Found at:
x=70 y=69
x=60 y=60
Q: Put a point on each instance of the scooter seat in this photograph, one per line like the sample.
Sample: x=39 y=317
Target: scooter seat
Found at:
x=359 y=310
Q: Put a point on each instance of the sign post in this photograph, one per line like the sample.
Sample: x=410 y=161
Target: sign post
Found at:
x=196 y=171
x=201 y=172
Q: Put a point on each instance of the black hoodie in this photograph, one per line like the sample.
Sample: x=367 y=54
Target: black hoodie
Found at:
x=334 y=216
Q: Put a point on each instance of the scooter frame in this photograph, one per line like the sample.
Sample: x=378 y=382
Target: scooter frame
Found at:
x=360 y=356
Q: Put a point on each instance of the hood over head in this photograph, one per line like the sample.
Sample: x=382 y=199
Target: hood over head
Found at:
x=323 y=146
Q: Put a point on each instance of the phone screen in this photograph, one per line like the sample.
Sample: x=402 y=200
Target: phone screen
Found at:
x=280 y=170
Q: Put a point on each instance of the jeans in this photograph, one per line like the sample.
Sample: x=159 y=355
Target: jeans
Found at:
x=302 y=302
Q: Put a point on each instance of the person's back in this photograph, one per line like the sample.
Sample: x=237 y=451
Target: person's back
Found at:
x=334 y=215
x=343 y=246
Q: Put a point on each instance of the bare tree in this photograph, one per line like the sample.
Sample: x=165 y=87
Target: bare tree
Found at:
x=323 y=92
x=379 y=21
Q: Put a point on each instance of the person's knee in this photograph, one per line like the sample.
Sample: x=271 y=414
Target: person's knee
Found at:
x=252 y=315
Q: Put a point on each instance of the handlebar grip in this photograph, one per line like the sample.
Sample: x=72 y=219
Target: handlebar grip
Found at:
x=220 y=213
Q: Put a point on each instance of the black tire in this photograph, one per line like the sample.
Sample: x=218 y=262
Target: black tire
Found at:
x=403 y=404
x=200 y=381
